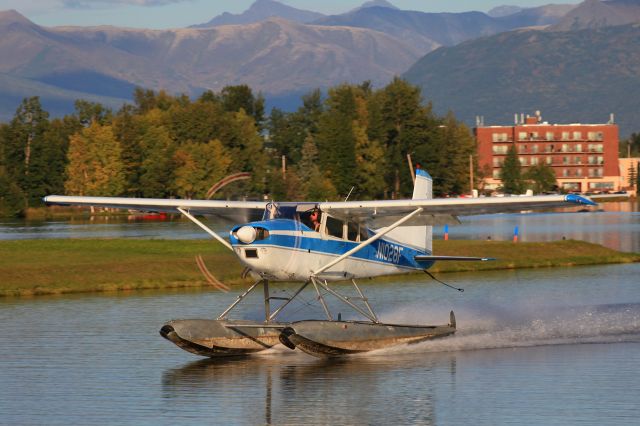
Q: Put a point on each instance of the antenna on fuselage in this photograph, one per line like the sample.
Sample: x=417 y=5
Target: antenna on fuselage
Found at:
x=349 y=194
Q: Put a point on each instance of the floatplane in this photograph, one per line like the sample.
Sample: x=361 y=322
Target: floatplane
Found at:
x=317 y=244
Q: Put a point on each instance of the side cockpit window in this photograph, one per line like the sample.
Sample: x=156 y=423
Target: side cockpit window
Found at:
x=334 y=227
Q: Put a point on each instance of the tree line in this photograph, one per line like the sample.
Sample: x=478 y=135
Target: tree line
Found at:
x=353 y=139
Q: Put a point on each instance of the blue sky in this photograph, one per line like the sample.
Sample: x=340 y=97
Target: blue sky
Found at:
x=182 y=13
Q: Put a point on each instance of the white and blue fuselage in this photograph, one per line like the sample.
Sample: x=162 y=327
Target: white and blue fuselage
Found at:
x=289 y=250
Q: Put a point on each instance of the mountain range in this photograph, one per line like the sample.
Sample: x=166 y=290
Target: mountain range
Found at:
x=275 y=56
x=427 y=31
x=573 y=62
x=571 y=76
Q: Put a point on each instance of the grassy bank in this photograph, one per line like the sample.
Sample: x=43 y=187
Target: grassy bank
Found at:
x=35 y=267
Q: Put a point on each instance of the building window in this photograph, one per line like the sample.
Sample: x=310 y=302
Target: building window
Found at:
x=577 y=136
x=579 y=172
x=496 y=162
x=565 y=147
x=565 y=172
x=549 y=160
x=534 y=136
x=499 y=137
x=601 y=185
x=595 y=147
x=565 y=161
x=595 y=136
x=577 y=160
x=600 y=159
x=565 y=136
x=496 y=174
x=534 y=149
x=523 y=161
x=579 y=147
x=522 y=149
x=534 y=161
x=571 y=186
x=499 y=149
x=550 y=136
x=522 y=136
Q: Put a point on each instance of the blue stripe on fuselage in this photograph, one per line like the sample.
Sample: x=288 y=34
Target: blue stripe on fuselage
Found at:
x=382 y=250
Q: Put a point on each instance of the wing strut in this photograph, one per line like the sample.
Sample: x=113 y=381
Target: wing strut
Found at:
x=205 y=228
x=367 y=242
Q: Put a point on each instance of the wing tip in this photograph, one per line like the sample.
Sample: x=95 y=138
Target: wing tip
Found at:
x=579 y=199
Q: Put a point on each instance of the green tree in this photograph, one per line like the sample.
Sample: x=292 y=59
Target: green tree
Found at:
x=197 y=122
x=450 y=149
x=511 y=173
x=287 y=133
x=246 y=147
x=370 y=160
x=94 y=167
x=88 y=112
x=55 y=150
x=25 y=150
x=403 y=125
x=313 y=183
x=11 y=197
x=541 y=178
x=235 y=98
x=198 y=167
x=157 y=162
x=336 y=139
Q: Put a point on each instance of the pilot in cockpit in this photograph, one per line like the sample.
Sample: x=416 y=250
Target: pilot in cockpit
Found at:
x=315 y=220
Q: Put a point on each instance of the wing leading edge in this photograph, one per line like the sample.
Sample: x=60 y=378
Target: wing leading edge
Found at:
x=451 y=206
x=434 y=210
x=224 y=209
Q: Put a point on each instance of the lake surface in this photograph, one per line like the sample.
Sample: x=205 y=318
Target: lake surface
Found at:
x=548 y=346
x=617 y=226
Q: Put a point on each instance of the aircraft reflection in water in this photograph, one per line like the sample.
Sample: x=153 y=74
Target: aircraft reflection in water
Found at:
x=316 y=244
x=293 y=386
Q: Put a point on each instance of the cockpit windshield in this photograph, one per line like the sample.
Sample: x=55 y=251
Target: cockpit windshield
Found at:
x=298 y=212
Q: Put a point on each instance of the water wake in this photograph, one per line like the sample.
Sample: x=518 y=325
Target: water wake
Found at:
x=484 y=327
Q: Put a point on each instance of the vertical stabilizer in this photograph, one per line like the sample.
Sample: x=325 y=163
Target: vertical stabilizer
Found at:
x=423 y=187
x=418 y=237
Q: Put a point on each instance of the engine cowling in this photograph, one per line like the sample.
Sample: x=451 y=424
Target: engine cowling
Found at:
x=246 y=234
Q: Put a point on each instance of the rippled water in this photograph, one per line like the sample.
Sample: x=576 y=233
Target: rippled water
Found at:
x=548 y=346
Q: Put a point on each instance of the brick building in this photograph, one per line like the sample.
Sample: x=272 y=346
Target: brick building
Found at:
x=583 y=156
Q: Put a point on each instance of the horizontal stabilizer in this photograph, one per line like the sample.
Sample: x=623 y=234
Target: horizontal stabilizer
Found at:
x=425 y=258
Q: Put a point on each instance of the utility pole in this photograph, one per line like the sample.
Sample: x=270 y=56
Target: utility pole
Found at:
x=284 y=167
x=471 y=174
x=413 y=175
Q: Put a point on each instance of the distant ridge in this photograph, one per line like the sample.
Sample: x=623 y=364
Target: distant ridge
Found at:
x=599 y=14
x=427 y=31
x=504 y=10
x=261 y=10
x=375 y=3
x=572 y=76
x=276 y=56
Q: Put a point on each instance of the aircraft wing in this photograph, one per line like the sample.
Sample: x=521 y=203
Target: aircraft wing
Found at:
x=228 y=210
x=438 y=210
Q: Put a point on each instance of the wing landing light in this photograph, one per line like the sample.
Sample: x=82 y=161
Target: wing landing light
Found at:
x=426 y=258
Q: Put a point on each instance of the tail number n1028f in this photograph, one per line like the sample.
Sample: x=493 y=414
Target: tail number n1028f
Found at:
x=389 y=252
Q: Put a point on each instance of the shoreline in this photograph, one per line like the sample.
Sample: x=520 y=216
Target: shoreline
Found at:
x=32 y=268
